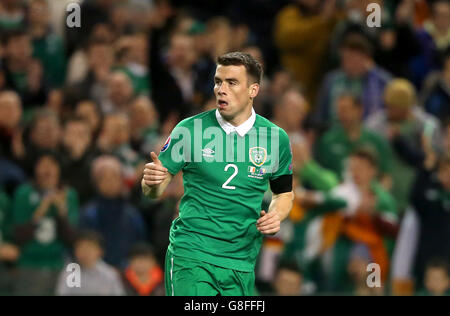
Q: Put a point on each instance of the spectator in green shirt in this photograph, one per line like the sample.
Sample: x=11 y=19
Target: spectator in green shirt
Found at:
x=42 y=223
x=47 y=46
x=9 y=253
x=335 y=146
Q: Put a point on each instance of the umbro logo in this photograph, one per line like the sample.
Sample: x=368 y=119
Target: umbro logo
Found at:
x=208 y=152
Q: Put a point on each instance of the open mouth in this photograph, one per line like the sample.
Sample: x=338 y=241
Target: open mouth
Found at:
x=222 y=103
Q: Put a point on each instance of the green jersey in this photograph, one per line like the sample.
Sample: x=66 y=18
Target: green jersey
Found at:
x=226 y=172
x=45 y=249
x=334 y=147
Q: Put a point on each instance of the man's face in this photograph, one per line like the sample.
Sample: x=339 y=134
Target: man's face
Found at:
x=437 y=281
x=288 y=283
x=182 y=52
x=142 y=113
x=353 y=62
x=38 y=13
x=87 y=253
x=397 y=113
x=19 y=48
x=233 y=90
x=441 y=16
x=100 y=55
x=46 y=133
x=47 y=173
x=117 y=129
x=293 y=110
x=88 y=112
x=77 y=134
x=361 y=170
x=109 y=183
x=348 y=112
x=10 y=110
x=142 y=264
x=120 y=89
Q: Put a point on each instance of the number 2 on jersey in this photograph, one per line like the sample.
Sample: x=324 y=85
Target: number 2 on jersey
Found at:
x=225 y=185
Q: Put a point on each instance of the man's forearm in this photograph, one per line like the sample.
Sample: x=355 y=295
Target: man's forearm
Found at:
x=156 y=191
x=282 y=204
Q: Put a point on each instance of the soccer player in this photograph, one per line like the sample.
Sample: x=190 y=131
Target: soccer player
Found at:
x=228 y=157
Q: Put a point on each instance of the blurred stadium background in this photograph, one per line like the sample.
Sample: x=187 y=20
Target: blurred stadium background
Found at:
x=367 y=111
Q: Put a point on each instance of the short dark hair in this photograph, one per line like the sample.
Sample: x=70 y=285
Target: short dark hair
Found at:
x=366 y=153
x=358 y=42
x=252 y=66
x=354 y=97
x=289 y=265
x=90 y=236
x=141 y=250
x=13 y=34
x=438 y=263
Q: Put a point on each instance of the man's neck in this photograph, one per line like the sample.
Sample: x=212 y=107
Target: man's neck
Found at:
x=353 y=131
x=241 y=117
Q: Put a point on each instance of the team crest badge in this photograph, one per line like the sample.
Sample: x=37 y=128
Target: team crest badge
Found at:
x=258 y=156
x=166 y=145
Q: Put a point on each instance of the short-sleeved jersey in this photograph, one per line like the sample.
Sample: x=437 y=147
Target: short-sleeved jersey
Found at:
x=225 y=177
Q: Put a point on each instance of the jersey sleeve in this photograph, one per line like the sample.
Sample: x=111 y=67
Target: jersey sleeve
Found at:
x=176 y=149
x=283 y=163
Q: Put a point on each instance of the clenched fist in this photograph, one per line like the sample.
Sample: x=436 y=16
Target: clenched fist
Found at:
x=154 y=174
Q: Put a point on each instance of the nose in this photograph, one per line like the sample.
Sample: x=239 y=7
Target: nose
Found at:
x=221 y=90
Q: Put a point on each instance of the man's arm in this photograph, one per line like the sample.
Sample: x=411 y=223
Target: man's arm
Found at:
x=156 y=178
x=269 y=223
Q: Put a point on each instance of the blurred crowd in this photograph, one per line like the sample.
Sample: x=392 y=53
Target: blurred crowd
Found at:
x=367 y=110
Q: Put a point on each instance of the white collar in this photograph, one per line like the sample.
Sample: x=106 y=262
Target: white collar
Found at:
x=241 y=129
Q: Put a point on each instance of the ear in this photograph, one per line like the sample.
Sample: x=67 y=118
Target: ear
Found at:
x=254 y=90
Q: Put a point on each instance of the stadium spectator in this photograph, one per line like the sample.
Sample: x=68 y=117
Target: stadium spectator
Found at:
x=145 y=122
x=133 y=51
x=96 y=276
x=404 y=125
x=358 y=73
x=430 y=200
x=11 y=173
x=434 y=40
x=110 y=214
x=22 y=72
x=43 y=219
x=100 y=60
x=88 y=111
x=143 y=276
x=288 y=280
x=12 y=14
x=77 y=154
x=437 y=278
x=436 y=91
x=397 y=41
x=335 y=145
x=47 y=46
x=43 y=136
x=302 y=31
x=119 y=93
x=114 y=139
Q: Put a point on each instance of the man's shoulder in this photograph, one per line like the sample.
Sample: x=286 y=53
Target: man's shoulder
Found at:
x=261 y=121
x=203 y=116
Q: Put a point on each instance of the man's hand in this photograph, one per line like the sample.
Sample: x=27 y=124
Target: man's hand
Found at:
x=268 y=223
x=9 y=252
x=154 y=172
x=156 y=178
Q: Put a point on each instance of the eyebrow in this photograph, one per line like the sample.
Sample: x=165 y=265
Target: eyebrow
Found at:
x=226 y=79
